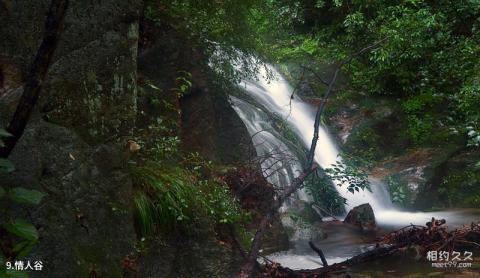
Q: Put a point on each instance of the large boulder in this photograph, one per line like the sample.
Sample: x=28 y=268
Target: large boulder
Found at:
x=361 y=216
x=91 y=83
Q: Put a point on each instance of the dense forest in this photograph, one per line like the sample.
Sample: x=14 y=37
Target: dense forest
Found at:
x=253 y=138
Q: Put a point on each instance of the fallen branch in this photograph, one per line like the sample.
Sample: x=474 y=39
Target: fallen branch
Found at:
x=420 y=237
x=319 y=252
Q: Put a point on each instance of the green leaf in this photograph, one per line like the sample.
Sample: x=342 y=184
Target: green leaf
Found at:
x=4 y=133
x=2 y=192
x=22 y=228
x=24 y=248
x=16 y=274
x=6 y=165
x=26 y=196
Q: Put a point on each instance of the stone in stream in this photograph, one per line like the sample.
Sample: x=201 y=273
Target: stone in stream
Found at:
x=361 y=216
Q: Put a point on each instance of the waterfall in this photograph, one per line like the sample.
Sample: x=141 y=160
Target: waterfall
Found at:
x=275 y=95
x=266 y=96
x=278 y=162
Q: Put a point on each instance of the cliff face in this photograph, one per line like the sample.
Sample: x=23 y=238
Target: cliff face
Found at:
x=72 y=148
x=93 y=101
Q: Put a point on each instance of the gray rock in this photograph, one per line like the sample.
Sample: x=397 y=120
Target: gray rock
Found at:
x=361 y=216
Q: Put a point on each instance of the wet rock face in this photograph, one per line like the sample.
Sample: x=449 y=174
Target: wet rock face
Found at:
x=89 y=97
x=85 y=221
x=91 y=84
x=361 y=216
x=214 y=129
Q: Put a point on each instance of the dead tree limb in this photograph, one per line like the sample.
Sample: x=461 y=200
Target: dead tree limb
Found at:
x=36 y=76
x=319 y=252
x=321 y=109
x=249 y=266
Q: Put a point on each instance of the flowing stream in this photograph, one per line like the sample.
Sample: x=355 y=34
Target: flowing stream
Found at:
x=280 y=164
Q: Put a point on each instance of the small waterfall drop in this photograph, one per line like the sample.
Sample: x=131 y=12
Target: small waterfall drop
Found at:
x=275 y=95
x=278 y=163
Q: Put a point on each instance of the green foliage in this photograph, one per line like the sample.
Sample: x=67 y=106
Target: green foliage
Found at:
x=349 y=174
x=21 y=233
x=398 y=192
x=6 y=165
x=145 y=213
x=223 y=30
x=362 y=146
x=171 y=197
x=299 y=220
x=21 y=195
x=428 y=58
x=461 y=188
x=22 y=229
x=184 y=83
x=324 y=195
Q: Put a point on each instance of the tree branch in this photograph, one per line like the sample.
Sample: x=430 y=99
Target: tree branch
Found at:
x=321 y=109
x=36 y=76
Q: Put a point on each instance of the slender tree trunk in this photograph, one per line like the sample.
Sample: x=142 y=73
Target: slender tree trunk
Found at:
x=36 y=76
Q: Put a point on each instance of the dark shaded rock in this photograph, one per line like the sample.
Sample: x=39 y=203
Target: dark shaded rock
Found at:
x=305 y=210
x=207 y=124
x=85 y=222
x=256 y=196
x=196 y=254
x=453 y=181
x=91 y=84
x=214 y=129
x=74 y=150
x=361 y=216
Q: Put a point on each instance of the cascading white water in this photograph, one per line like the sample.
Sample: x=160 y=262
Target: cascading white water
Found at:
x=275 y=95
x=278 y=162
